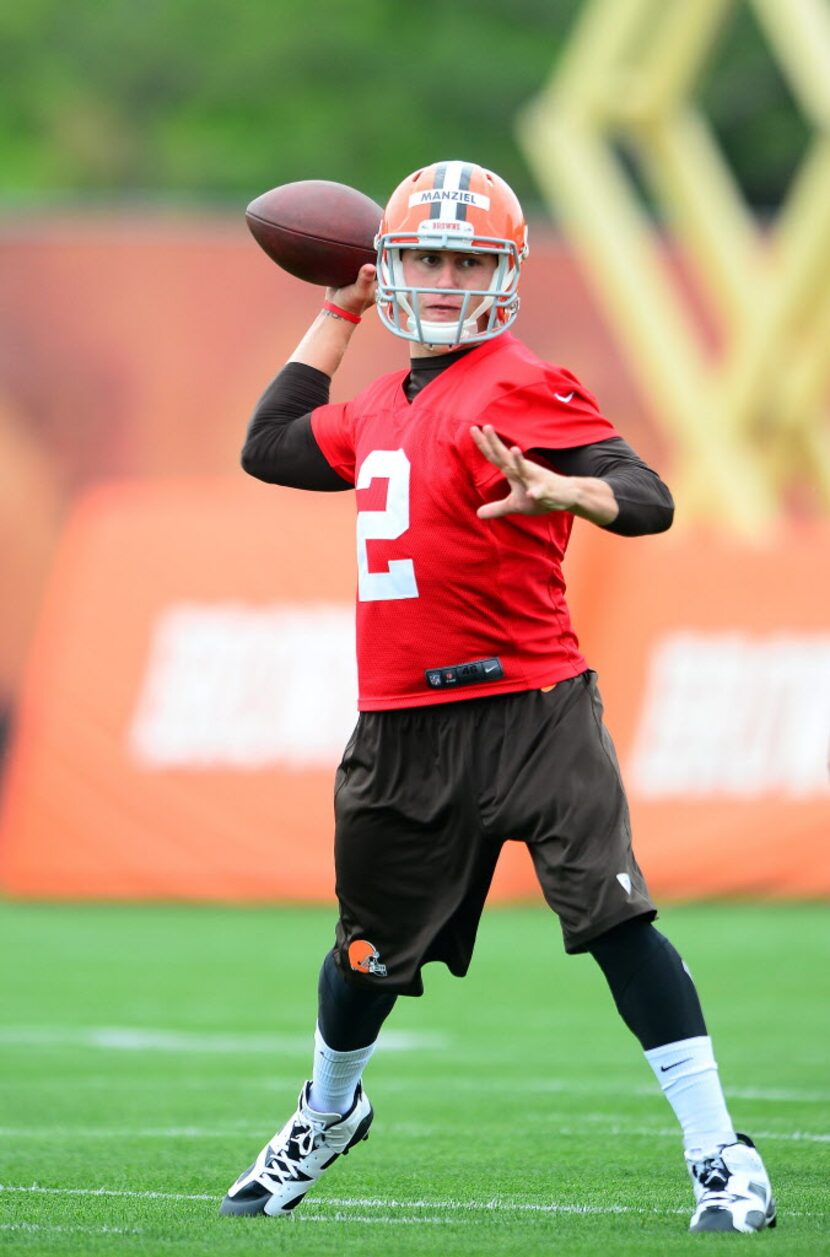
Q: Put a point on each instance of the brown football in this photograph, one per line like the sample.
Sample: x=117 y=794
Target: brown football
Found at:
x=322 y=232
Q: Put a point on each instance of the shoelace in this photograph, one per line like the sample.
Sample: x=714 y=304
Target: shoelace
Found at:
x=301 y=1143
x=714 y=1177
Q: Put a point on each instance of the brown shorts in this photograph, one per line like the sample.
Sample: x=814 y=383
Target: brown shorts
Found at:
x=425 y=797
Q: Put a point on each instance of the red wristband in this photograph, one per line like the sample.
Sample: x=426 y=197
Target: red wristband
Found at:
x=340 y=312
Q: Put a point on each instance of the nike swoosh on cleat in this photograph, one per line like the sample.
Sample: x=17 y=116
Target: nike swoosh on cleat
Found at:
x=563 y=397
x=665 y=1068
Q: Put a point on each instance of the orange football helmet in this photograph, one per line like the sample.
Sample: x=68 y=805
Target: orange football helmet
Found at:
x=462 y=207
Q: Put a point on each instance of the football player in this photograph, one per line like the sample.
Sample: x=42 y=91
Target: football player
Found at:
x=479 y=717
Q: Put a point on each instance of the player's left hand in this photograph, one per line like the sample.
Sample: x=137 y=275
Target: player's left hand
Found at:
x=534 y=490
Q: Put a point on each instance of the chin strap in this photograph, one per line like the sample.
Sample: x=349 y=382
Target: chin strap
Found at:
x=452 y=342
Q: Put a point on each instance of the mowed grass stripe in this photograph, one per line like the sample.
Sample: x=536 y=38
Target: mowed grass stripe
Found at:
x=69 y=1230
x=315 y=1205
x=410 y=1130
x=494 y=1084
x=149 y=1039
x=321 y=1202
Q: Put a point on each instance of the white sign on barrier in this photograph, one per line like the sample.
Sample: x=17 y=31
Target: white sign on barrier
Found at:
x=234 y=686
x=731 y=714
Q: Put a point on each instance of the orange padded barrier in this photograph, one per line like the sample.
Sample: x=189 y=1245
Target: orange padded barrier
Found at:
x=192 y=682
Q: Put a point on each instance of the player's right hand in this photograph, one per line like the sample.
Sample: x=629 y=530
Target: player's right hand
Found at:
x=534 y=490
x=358 y=296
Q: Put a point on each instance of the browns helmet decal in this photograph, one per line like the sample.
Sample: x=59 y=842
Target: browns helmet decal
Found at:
x=365 y=958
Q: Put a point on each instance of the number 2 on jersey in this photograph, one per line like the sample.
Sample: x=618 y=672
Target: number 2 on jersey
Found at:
x=398 y=581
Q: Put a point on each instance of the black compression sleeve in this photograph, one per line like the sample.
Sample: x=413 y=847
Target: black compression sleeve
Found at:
x=645 y=503
x=280 y=447
x=652 y=988
x=349 y=1017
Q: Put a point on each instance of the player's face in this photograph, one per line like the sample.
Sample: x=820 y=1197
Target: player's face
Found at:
x=445 y=269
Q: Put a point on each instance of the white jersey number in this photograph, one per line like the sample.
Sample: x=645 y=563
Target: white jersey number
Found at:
x=398 y=581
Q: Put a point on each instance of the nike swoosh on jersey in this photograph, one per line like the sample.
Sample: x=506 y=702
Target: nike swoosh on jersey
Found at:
x=563 y=397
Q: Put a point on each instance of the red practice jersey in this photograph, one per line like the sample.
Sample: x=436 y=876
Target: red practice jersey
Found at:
x=438 y=588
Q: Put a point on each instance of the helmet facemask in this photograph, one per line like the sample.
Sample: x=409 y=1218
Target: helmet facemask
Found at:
x=458 y=207
x=398 y=301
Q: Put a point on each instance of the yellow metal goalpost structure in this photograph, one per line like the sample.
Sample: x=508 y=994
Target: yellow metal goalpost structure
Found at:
x=748 y=421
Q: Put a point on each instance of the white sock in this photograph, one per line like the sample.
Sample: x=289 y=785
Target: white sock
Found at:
x=688 y=1074
x=335 y=1076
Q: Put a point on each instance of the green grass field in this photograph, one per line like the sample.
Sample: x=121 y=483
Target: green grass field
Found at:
x=149 y=1051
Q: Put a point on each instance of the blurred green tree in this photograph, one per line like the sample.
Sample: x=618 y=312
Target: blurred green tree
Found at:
x=181 y=99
